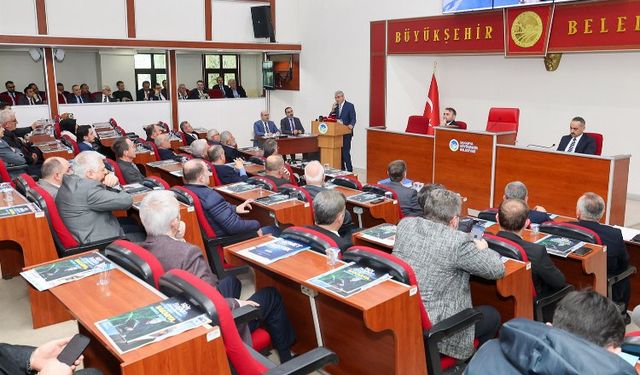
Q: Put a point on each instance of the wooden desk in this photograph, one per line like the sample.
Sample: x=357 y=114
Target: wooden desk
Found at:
x=164 y=172
x=190 y=352
x=288 y=213
x=202 y=133
x=511 y=295
x=633 y=249
x=41 y=138
x=373 y=214
x=556 y=180
x=176 y=144
x=144 y=157
x=54 y=148
x=375 y=331
x=288 y=145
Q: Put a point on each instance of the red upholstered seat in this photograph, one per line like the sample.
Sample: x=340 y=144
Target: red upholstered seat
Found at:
x=292 y=175
x=216 y=94
x=153 y=147
x=303 y=193
x=4 y=173
x=503 y=120
x=116 y=170
x=74 y=144
x=318 y=241
x=60 y=231
x=599 y=140
x=570 y=230
x=265 y=181
x=461 y=124
x=183 y=137
x=395 y=197
x=495 y=241
x=159 y=181
x=418 y=125
x=214 y=173
x=137 y=260
x=23 y=183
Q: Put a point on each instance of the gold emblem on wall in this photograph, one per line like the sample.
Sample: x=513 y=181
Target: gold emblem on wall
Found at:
x=526 y=29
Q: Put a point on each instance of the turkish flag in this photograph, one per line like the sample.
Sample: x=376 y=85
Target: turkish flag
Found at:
x=432 y=106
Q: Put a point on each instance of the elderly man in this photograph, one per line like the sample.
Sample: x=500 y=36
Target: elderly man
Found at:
x=105 y=96
x=122 y=95
x=11 y=156
x=230 y=146
x=234 y=90
x=275 y=170
x=314 y=176
x=576 y=141
x=589 y=210
x=443 y=259
x=183 y=92
x=53 y=171
x=329 y=213
x=518 y=190
x=264 y=127
x=199 y=149
x=188 y=131
x=125 y=151
x=407 y=197
x=226 y=173
x=13 y=137
x=213 y=137
x=145 y=93
x=163 y=143
x=86 y=200
x=200 y=92
x=160 y=215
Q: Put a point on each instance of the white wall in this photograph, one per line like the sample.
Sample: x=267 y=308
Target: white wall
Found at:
x=170 y=19
x=18 y=17
x=78 y=67
x=88 y=18
x=189 y=69
x=18 y=66
x=251 y=73
x=28 y=114
x=232 y=21
x=116 y=65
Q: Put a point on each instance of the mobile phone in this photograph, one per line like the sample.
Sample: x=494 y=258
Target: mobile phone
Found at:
x=477 y=231
x=73 y=349
x=583 y=251
x=376 y=201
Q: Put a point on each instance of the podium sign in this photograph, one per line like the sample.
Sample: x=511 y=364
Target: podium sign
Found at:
x=330 y=141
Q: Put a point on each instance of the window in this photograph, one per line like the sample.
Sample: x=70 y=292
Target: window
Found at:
x=150 y=67
x=225 y=66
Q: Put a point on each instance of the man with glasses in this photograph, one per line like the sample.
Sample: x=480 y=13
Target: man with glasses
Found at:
x=10 y=97
x=30 y=97
x=576 y=141
x=345 y=113
x=14 y=137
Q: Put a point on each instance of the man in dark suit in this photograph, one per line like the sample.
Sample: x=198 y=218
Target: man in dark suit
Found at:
x=40 y=96
x=86 y=137
x=76 y=96
x=577 y=142
x=407 y=197
x=220 y=86
x=30 y=97
x=62 y=93
x=122 y=95
x=183 y=93
x=228 y=142
x=188 y=131
x=125 y=151
x=328 y=213
x=235 y=91
x=165 y=89
x=11 y=97
x=290 y=124
x=14 y=138
x=200 y=92
x=518 y=190
x=345 y=113
x=157 y=93
x=264 y=127
x=275 y=170
x=227 y=174
x=449 y=117
x=145 y=93
x=105 y=96
x=590 y=209
x=163 y=143
x=513 y=218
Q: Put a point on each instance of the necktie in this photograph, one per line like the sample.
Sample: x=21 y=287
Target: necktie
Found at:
x=104 y=98
x=30 y=101
x=13 y=98
x=266 y=130
x=291 y=124
x=339 y=110
x=80 y=99
x=572 y=145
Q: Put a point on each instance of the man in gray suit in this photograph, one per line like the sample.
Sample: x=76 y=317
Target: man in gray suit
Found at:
x=443 y=259
x=407 y=197
x=11 y=156
x=86 y=199
x=53 y=171
x=125 y=151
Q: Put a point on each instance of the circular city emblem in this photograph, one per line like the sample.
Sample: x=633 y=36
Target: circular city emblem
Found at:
x=526 y=29
x=323 y=128
x=454 y=145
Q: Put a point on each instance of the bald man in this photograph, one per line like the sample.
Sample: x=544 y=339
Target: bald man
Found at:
x=264 y=126
x=53 y=169
x=275 y=170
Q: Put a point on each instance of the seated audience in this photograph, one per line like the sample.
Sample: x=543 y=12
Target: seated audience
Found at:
x=11 y=97
x=14 y=137
x=329 y=210
x=165 y=89
x=40 y=96
x=122 y=95
x=226 y=173
x=11 y=156
x=69 y=128
x=230 y=146
x=518 y=190
x=234 y=90
x=30 y=97
x=105 y=96
x=145 y=93
x=200 y=92
x=585 y=339
x=220 y=86
x=269 y=147
x=77 y=97
x=222 y=216
x=152 y=131
x=163 y=142
x=407 y=197
x=513 y=218
x=157 y=93
x=160 y=215
x=264 y=127
x=449 y=117
x=425 y=191
x=125 y=151
x=589 y=210
x=53 y=171
x=577 y=142
x=199 y=149
x=183 y=92
x=213 y=137
x=188 y=131
x=43 y=360
x=443 y=258
x=86 y=200
x=275 y=170
x=86 y=91
x=314 y=176
x=86 y=137
x=62 y=93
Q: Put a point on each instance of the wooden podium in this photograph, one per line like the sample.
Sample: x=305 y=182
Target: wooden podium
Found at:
x=330 y=141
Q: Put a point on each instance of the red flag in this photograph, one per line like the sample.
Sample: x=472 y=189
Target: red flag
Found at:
x=432 y=106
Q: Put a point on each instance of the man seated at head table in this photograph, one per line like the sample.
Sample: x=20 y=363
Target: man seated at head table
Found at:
x=230 y=146
x=188 y=131
x=518 y=190
x=576 y=141
x=264 y=126
x=160 y=215
x=121 y=94
x=43 y=360
x=163 y=142
x=227 y=174
x=585 y=339
x=86 y=200
x=86 y=137
x=329 y=208
x=213 y=137
x=125 y=151
x=314 y=176
x=589 y=210
x=53 y=171
x=443 y=259
x=407 y=197
x=199 y=149
x=449 y=117
x=275 y=170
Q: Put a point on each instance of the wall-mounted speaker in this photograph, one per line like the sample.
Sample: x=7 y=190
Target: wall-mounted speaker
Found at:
x=262 y=26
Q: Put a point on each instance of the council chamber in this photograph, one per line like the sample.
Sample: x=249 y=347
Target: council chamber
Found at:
x=285 y=187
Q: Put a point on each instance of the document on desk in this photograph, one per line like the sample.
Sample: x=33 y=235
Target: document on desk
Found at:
x=150 y=324
x=349 y=279
x=383 y=233
x=135 y=188
x=238 y=187
x=363 y=197
x=272 y=251
x=270 y=200
x=67 y=270
x=16 y=210
x=332 y=172
x=162 y=162
x=560 y=246
x=628 y=233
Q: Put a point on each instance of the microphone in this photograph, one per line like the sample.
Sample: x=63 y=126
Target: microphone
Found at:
x=541 y=146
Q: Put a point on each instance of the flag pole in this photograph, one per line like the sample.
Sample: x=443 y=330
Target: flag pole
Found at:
x=435 y=65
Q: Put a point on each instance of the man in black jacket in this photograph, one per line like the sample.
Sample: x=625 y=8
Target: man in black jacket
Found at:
x=577 y=142
x=226 y=173
x=20 y=359
x=14 y=137
x=328 y=212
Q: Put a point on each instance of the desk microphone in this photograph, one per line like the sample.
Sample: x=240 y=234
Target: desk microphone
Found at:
x=541 y=146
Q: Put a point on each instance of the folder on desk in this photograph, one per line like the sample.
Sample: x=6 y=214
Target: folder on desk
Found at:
x=67 y=270
x=349 y=279
x=272 y=251
x=383 y=233
x=560 y=246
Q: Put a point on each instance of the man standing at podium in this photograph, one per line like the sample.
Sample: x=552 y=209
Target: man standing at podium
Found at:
x=345 y=113
x=577 y=142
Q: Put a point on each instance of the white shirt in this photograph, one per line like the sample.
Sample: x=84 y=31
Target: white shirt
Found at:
x=566 y=149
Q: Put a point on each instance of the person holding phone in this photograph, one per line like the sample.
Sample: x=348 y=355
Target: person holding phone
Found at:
x=345 y=113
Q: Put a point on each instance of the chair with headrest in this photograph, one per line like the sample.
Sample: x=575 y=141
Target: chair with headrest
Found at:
x=432 y=334
x=66 y=243
x=216 y=94
x=599 y=140
x=215 y=180
x=5 y=176
x=257 y=159
x=71 y=143
x=293 y=180
x=243 y=359
x=300 y=194
x=348 y=181
x=461 y=125
x=488 y=214
x=183 y=137
x=381 y=189
x=137 y=260
x=213 y=243
x=318 y=241
x=417 y=124
x=262 y=182
x=152 y=146
x=503 y=120
x=116 y=170
x=23 y=183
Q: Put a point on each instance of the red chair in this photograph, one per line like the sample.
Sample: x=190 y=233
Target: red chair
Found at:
x=292 y=176
x=349 y=181
x=183 y=137
x=95 y=96
x=318 y=241
x=137 y=260
x=262 y=182
x=4 y=172
x=65 y=243
x=503 y=120
x=71 y=143
x=213 y=244
x=418 y=125
x=461 y=125
x=301 y=194
x=116 y=170
x=152 y=146
x=243 y=359
x=216 y=94
x=23 y=183
x=599 y=139
x=381 y=189
x=401 y=271
x=57 y=130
